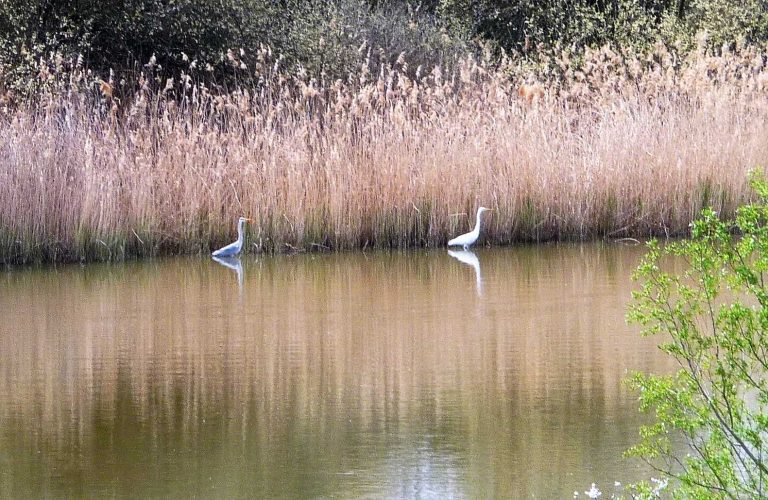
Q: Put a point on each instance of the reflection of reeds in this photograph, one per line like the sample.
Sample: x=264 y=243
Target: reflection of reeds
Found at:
x=619 y=145
x=320 y=350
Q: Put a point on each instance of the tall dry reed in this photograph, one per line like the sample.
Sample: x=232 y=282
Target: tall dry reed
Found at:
x=611 y=145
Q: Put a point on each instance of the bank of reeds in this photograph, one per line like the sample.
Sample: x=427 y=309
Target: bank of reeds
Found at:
x=609 y=145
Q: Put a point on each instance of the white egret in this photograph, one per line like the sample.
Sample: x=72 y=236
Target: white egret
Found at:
x=233 y=248
x=468 y=239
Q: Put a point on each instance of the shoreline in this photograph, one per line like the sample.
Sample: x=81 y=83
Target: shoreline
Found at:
x=290 y=250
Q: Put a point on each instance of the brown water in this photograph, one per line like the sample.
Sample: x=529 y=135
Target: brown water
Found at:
x=384 y=375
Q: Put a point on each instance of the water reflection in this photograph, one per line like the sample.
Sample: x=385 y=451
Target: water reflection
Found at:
x=468 y=257
x=334 y=376
x=234 y=264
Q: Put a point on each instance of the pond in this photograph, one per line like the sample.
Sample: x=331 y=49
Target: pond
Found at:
x=429 y=374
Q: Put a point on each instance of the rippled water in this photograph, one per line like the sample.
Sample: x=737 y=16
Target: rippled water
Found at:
x=415 y=374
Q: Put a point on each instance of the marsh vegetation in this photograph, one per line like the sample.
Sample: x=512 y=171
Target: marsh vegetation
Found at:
x=606 y=145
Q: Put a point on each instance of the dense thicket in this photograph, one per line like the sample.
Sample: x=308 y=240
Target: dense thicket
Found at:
x=331 y=36
x=524 y=24
x=327 y=37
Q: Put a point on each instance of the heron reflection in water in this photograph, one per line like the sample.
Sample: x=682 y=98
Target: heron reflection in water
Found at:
x=234 y=264
x=469 y=258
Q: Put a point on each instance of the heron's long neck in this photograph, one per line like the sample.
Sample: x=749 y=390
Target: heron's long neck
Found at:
x=240 y=232
x=476 y=230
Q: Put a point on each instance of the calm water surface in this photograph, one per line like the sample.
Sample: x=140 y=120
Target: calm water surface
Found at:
x=431 y=374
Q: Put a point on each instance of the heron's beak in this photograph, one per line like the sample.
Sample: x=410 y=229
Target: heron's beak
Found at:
x=248 y=220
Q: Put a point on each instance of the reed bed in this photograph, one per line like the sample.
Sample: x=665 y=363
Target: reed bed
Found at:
x=603 y=145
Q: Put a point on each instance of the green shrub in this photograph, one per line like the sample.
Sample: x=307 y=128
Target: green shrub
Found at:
x=329 y=37
x=525 y=24
x=712 y=414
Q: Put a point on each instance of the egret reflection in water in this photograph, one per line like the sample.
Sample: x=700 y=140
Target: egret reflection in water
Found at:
x=469 y=258
x=234 y=264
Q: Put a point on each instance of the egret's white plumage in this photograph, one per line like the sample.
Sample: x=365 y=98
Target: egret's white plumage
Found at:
x=468 y=239
x=233 y=248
